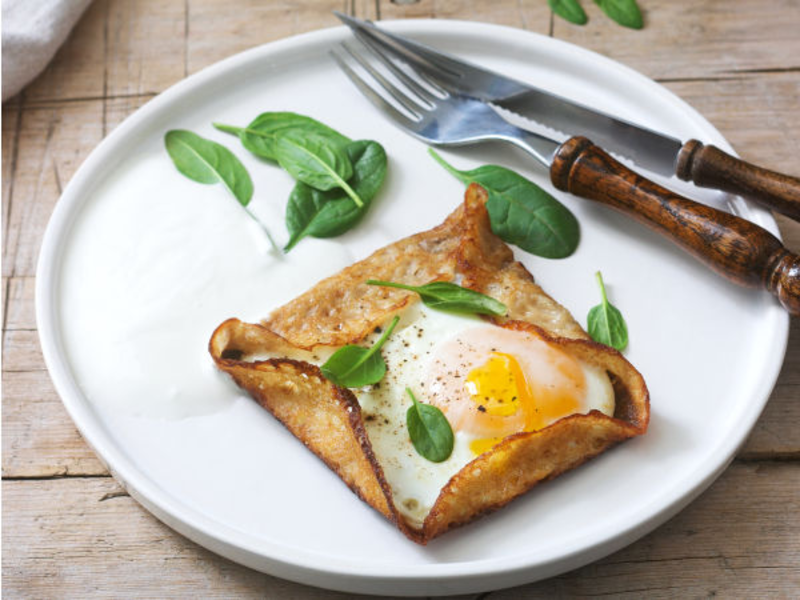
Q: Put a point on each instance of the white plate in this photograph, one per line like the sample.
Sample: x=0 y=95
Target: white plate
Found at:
x=230 y=478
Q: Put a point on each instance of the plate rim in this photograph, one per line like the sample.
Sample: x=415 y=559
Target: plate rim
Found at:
x=431 y=578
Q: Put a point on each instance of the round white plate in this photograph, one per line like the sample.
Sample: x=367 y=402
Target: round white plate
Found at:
x=221 y=471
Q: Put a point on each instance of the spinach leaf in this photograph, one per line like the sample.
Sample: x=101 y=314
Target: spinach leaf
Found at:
x=355 y=366
x=204 y=161
x=569 y=10
x=429 y=431
x=259 y=136
x=444 y=295
x=314 y=160
x=237 y=131
x=624 y=12
x=522 y=213
x=605 y=322
x=328 y=214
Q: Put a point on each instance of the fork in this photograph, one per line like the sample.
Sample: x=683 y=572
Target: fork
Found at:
x=734 y=247
x=440 y=117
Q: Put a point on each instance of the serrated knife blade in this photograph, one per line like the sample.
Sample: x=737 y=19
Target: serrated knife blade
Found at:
x=704 y=165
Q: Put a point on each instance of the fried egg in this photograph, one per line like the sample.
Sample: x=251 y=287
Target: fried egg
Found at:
x=490 y=382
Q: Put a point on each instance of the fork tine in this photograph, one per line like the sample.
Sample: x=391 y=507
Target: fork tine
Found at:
x=379 y=101
x=380 y=53
x=433 y=63
x=401 y=97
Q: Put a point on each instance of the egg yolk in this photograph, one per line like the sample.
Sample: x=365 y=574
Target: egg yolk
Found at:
x=497 y=385
x=506 y=402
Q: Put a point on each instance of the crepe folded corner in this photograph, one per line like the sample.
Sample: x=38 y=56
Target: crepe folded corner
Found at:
x=343 y=310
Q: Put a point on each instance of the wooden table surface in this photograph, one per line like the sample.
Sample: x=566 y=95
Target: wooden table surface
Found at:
x=69 y=529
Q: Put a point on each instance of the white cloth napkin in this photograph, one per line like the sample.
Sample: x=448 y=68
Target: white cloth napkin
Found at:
x=32 y=32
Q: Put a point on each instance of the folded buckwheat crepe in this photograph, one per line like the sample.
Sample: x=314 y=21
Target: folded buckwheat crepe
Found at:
x=527 y=396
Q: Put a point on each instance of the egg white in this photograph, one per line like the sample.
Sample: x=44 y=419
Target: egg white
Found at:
x=416 y=341
x=415 y=481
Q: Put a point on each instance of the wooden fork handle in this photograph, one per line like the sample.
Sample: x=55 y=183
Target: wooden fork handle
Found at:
x=708 y=166
x=736 y=248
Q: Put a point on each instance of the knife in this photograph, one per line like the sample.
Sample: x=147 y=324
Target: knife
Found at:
x=703 y=164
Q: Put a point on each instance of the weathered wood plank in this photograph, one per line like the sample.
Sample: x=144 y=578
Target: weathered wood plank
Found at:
x=757 y=114
x=530 y=15
x=120 y=108
x=116 y=49
x=695 y=39
x=39 y=438
x=726 y=543
x=790 y=373
x=3 y=301
x=790 y=232
x=54 y=139
x=53 y=142
x=77 y=69
x=11 y=123
x=86 y=538
x=145 y=46
x=21 y=351
x=771 y=437
x=363 y=9
x=252 y=23
x=20 y=307
x=738 y=540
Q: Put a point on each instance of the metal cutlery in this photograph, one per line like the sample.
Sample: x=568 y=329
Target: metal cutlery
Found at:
x=736 y=248
x=704 y=165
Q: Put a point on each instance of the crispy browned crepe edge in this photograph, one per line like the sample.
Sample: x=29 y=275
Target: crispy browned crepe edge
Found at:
x=342 y=310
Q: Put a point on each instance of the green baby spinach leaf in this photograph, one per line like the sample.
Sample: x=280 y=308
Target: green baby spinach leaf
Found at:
x=324 y=214
x=570 y=10
x=233 y=129
x=522 y=213
x=605 y=322
x=314 y=160
x=356 y=366
x=259 y=136
x=429 y=430
x=204 y=161
x=444 y=295
x=624 y=12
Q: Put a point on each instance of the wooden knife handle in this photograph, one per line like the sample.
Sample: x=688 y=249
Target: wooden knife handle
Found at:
x=736 y=248
x=708 y=166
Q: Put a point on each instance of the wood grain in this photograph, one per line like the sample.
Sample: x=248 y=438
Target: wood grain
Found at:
x=705 y=165
x=757 y=114
x=735 y=248
x=52 y=141
x=77 y=69
x=252 y=23
x=69 y=529
x=696 y=40
x=100 y=542
x=531 y=15
x=138 y=36
x=10 y=128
